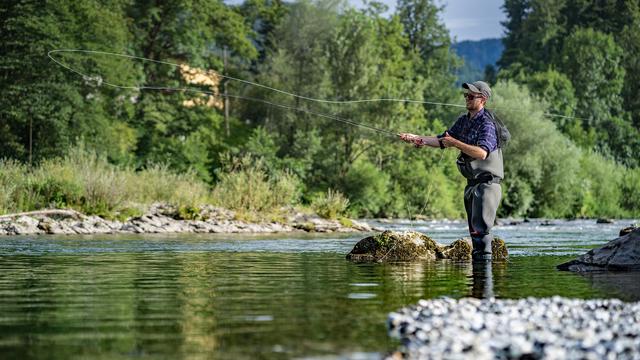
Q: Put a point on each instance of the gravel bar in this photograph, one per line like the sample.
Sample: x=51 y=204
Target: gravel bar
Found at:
x=531 y=328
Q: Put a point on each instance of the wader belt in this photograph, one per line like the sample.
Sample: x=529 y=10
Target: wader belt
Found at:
x=489 y=179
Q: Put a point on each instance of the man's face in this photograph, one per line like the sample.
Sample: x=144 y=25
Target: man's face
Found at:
x=474 y=100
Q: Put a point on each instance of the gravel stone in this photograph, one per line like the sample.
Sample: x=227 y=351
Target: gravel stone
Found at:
x=531 y=328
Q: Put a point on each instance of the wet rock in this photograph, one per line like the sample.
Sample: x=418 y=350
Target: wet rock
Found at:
x=627 y=230
x=499 y=249
x=394 y=246
x=411 y=245
x=457 y=250
x=605 y=221
x=164 y=218
x=360 y=226
x=314 y=223
x=212 y=212
x=622 y=253
x=23 y=225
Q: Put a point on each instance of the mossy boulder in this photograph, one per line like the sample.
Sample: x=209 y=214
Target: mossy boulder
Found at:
x=411 y=245
x=394 y=246
x=460 y=250
x=499 y=249
x=457 y=250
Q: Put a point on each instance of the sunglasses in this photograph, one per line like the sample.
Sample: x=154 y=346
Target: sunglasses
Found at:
x=471 y=96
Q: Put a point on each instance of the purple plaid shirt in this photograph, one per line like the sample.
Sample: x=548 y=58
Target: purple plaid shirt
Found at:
x=479 y=131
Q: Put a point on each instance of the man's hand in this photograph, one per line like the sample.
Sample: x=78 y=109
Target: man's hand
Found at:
x=411 y=138
x=449 y=141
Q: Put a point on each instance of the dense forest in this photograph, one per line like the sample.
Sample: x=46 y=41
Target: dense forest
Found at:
x=567 y=88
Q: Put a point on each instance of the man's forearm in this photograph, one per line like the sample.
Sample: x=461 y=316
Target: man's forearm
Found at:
x=429 y=141
x=475 y=152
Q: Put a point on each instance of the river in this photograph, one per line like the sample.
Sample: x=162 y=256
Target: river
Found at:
x=261 y=297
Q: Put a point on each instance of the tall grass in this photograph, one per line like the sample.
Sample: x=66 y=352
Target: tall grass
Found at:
x=158 y=183
x=89 y=183
x=330 y=205
x=247 y=187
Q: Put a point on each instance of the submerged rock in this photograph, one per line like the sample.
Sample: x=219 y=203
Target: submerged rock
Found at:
x=622 y=253
x=394 y=246
x=411 y=245
x=605 y=221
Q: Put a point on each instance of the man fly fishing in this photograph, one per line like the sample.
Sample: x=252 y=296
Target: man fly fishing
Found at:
x=479 y=137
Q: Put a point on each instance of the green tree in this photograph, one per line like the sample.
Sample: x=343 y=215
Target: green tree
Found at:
x=263 y=17
x=192 y=32
x=534 y=32
x=629 y=40
x=45 y=109
x=296 y=64
x=593 y=44
x=592 y=60
x=540 y=163
x=430 y=42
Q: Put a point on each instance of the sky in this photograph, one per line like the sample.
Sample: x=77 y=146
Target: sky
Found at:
x=473 y=19
x=466 y=19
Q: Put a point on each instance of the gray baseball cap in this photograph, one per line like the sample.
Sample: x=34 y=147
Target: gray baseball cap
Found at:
x=479 y=87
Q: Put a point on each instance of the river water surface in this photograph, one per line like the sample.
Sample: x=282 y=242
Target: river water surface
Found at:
x=261 y=297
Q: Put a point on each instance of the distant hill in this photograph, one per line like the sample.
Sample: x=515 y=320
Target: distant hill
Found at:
x=477 y=55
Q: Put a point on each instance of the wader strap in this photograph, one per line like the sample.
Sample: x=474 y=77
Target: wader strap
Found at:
x=489 y=179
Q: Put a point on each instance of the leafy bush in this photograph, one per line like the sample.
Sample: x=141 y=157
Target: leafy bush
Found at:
x=12 y=178
x=158 y=183
x=600 y=191
x=245 y=186
x=630 y=189
x=539 y=159
x=330 y=205
x=368 y=188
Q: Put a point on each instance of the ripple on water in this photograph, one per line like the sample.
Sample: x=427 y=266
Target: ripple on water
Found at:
x=361 y=296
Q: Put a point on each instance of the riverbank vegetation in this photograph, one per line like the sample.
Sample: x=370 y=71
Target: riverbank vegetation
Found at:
x=70 y=141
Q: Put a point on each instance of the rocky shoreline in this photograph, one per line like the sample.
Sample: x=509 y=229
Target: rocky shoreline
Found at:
x=531 y=328
x=162 y=219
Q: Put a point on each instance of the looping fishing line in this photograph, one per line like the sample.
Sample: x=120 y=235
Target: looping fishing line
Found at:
x=288 y=107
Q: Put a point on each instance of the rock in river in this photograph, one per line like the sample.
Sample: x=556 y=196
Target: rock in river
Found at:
x=622 y=253
x=394 y=246
x=411 y=245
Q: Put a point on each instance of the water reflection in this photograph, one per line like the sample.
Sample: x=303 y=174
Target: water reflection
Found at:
x=186 y=298
x=482 y=280
x=625 y=285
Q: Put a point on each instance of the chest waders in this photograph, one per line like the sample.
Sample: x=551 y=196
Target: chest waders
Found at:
x=481 y=198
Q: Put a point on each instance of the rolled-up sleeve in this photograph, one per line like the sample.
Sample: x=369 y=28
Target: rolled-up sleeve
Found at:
x=487 y=138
